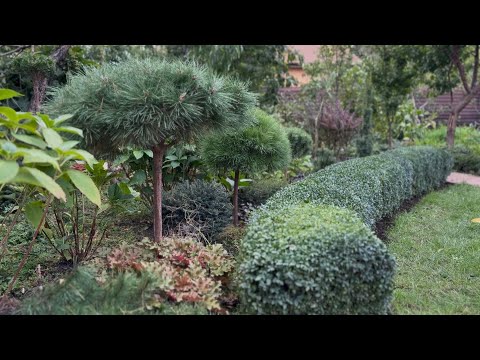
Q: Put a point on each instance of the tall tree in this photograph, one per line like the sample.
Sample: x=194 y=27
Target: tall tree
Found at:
x=449 y=67
x=264 y=67
x=393 y=77
x=262 y=146
x=151 y=104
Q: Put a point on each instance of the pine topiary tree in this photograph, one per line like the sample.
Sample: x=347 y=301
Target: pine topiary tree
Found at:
x=150 y=104
x=259 y=147
x=300 y=142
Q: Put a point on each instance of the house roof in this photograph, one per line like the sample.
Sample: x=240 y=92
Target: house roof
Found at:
x=309 y=52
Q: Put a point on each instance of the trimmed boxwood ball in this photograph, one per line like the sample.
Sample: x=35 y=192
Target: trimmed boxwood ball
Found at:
x=300 y=142
x=312 y=259
x=205 y=203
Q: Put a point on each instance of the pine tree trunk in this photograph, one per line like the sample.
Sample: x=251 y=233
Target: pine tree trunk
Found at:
x=235 y=197
x=390 y=141
x=158 y=152
x=39 y=81
x=451 y=125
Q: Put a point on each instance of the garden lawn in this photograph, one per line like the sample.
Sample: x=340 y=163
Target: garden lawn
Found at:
x=437 y=249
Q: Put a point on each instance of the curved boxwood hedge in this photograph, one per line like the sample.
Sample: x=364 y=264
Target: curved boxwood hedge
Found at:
x=313 y=259
x=326 y=219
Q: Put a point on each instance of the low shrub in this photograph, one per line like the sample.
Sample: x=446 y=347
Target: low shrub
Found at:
x=260 y=190
x=300 y=142
x=325 y=157
x=365 y=188
x=178 y=275
x=231 y=238
x=466 y=160
x=202 y=205
x=466 y=152
x=313 y=259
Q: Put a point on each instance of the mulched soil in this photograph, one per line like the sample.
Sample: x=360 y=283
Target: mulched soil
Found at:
x=382 y=226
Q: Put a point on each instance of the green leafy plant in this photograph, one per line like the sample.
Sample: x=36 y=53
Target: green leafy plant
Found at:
x=177 y=275
x=259 y=147
x=77 y=228
x=35 y=156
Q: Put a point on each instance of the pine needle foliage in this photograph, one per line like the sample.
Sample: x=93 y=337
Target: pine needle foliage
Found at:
x=143 y=103
x=263 y=146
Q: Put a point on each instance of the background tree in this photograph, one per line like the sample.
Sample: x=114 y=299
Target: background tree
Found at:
x=263 y=146
x=393 y=77
x=150 y=104
x=265 y=67
x=449 y=67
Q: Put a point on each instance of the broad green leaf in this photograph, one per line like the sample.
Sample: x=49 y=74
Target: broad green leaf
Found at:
x=35 y=156
x=9 y=147
x=138 y=178
x=171 y=157
x=44 y=181
x=31 y=140
x=138 y=154
x=149 y=153
x=9 y=113
x=8 y=170
x=82 y=155
x=174 y=164
x=67 y=145
x=48 y=233
x=52 y=138
x=34 y=212
x=61 y=119
x=68 y=188
x=121 y=159
x=85 y=185
x=46 y=119
x=8 y=94
x=70 y=129
x=26 y=115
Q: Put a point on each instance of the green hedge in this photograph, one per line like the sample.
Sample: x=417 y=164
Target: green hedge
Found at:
x=301 y=246
x=313 y=259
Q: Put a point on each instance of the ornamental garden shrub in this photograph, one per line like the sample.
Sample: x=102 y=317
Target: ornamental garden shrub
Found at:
x=200 y=204
x=313 y=259
x=260 y=190
x=151 y=104
x=262 y=146
x=329 y=215
x=300 y=142
x=466 y=152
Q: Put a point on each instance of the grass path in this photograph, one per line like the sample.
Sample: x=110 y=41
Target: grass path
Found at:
x=437 y=248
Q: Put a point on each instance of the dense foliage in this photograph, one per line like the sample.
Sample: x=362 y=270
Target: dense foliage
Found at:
x=300 y=142
x=312 y=259
x=197 y=207
x=286 y=227
x=151 y=279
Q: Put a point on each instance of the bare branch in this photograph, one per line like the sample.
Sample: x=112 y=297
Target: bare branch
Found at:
x=475 y=67
x=18 y=49
x=455 y=56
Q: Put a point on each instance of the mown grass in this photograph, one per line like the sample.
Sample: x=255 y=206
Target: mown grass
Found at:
x=437 y=249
